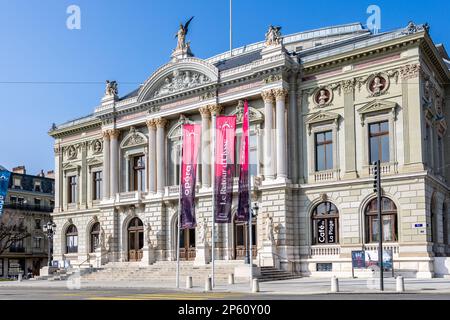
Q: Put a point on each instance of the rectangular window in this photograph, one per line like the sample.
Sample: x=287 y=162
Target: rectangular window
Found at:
x=138 y=173
x=21 y=201
x=37 y=242
x=72 y=189
x=37 y=202
x=252 y=154
x=97 y=185
x=13 y=200
x=17 y=183
x=37 y=186
x=17 y=246
x=37 y=224
x=439 y=155
x=379 y=141
x=324 y=150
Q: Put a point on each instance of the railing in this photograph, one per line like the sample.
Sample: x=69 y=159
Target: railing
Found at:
x=325 y=251
x=328 y=175
x=28 y=207
x=391 y=246
x=386 y=168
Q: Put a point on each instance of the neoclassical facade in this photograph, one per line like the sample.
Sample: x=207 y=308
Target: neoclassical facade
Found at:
x=324 y=105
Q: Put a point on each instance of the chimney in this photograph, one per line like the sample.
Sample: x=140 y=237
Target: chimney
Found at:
x=19 y=170
x=41 y=174
x=50 y=174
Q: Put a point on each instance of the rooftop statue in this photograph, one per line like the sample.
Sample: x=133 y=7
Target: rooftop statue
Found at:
x=111 y=88
x=181 y=35
x=273 y=36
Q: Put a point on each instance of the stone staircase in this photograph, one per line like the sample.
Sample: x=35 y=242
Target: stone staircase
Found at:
x=165 y=271
x=273 y=274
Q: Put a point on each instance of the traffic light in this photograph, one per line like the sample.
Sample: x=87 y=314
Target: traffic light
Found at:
x=376 y=176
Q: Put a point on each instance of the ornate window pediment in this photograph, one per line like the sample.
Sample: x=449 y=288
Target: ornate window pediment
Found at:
x=133 y=138
x=377 y=106
x=180 y=76
x=254 y=114
x=322 y=117
x=94 y=162
x=70 y=167
x=175 y=132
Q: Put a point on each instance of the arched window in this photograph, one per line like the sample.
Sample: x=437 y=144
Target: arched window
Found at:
x=389 y=218
x=95 y=236
x=72 y=239
x=325 y=224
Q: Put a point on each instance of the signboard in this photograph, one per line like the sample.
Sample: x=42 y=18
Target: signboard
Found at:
x=331 y=231
x=321 y=230
x=358 y=259
x=371 y=257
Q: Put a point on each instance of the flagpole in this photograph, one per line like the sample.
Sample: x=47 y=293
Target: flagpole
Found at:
x=213 y=195
x=250 y=219
x=231 y=28
x=179 y=209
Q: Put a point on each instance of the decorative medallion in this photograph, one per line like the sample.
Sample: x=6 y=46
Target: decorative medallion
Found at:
x=71 y=153
x=377 y=84
x=323 y=97
x=97 y=147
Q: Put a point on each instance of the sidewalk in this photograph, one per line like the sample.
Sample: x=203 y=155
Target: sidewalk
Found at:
x=303 y=286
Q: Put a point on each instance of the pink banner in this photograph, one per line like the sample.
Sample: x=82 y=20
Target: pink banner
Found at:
x=191 y=143
x=243 y=204
x=224 y=167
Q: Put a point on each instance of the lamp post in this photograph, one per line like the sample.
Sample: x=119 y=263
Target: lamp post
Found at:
x=253 y=213
x=49 y=230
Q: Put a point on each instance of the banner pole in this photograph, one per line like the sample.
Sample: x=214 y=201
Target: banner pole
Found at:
x=179 y=210
x=213 y=196
x=250 y=215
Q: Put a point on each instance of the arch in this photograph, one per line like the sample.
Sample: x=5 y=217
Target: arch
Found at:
x=94 y=237
x=390 y=214
x=71 y=239
x=231 y=235
x=87 y=233
x=193 y=65
x=133 y=138
x=325 y=224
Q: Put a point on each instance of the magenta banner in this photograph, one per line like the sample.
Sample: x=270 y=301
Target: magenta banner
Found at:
x=244 y=196
x=224 y=167
x=191 y=143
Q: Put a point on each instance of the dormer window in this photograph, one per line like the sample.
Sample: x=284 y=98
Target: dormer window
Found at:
x=17 y=183
x=37 y=186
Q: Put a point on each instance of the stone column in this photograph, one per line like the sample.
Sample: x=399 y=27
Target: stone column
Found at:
x=205 y=149
x=293 y=137
x=151 y=156
x=281 y=144
x=160 y=154
x=215 y=110
x=114 y=134
x=58 y=180
x=350 y=137
x=106 y=165
x=268 y=130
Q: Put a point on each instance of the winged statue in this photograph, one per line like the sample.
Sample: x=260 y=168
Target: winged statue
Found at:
x=181 y=35
x=273 y=36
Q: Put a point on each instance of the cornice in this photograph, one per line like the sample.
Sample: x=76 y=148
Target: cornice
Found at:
x=64 y=132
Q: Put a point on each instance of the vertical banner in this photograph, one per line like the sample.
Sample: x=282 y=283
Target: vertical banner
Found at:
x=191 y=143
x=4 y=183
x=224 y=167
x=243 y=204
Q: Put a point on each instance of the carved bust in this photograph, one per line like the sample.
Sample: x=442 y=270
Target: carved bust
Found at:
x=97 y=146
x=323 y=97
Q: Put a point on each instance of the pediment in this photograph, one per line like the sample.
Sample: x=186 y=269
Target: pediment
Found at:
x=322 y=116
x=377 y=106
x=94 y=161
x=254 y=114
x=177 y=77
x=133 y=138
x=70 y=166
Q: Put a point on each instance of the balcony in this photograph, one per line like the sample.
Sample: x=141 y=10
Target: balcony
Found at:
x=387 y=168
x=131 y=197
x=28 y=207
x=321 y=250
x=327 y=175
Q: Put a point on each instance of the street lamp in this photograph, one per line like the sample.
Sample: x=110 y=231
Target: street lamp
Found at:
x=49 y=230
x=253 y=213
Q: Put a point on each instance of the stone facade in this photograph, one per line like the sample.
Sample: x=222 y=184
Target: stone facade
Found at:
x=393 y=80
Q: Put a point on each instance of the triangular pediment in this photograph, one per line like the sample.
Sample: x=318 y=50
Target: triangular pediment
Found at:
x=133 y=138
x=70 y=166
x=322 y=116
x=178 y=77
x=377 y=106
x=94 y=162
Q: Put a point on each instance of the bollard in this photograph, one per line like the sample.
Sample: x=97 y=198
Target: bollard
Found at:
x=231 y=278
x=400 y=284
x=188 y=282
x=208 y=284
x=19 y=277
x=334 y=284
x=255 y=286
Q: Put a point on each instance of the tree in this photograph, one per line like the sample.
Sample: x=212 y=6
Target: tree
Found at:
x=12 y=229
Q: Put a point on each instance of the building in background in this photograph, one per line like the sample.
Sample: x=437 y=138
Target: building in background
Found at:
x=324 y=105
x=29 y=201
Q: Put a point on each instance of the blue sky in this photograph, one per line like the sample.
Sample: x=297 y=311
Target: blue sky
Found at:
x=127 y=40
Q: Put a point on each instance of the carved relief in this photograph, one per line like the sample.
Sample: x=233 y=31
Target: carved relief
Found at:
x=377 y=85
x=71 y=152
x=207 y=96
x=181 y=80
x=323 y=97
x=410 y=71
x=273 y=78
x=254 y=114
x=134 y=138
x=97 y=146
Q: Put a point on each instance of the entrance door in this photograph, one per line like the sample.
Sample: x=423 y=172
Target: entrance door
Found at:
x=187 y=244
x=241 y=238
x=135 y=239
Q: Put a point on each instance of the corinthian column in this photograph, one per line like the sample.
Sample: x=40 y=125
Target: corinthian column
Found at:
x=58 y=176
x=280 y=95
x=151 y=156
x=205 y=149
x=106 y=165
x=268 y=130
x=114 y=135
x=160 y=154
